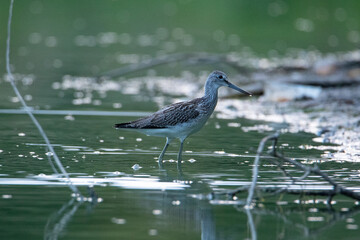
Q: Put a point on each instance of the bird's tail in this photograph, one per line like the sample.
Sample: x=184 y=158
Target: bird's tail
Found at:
x=123 y=125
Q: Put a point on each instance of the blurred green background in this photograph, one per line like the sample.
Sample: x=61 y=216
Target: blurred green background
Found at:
x=84 y=35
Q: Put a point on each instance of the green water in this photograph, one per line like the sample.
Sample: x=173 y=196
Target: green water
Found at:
x=56 y=44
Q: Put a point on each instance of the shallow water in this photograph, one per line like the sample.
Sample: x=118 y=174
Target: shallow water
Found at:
x=150 y=201
x=55 y=69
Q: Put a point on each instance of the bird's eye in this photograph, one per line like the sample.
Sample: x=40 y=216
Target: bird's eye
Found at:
x=220 y=77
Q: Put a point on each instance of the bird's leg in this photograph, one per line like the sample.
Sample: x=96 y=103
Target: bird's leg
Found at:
x=168 y=140
x=180 y=150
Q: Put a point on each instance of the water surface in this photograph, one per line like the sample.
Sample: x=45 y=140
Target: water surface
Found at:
x=55 y=62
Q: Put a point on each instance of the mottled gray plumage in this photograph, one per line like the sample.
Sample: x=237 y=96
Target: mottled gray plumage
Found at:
x=182 y=119
x=169 y=116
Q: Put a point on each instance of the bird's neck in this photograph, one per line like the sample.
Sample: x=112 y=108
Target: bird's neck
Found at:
x=211 y=93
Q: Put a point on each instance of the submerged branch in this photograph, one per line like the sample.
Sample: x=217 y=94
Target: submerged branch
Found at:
x=281 y=161
x=337 y=188
x=191 y=58
x=333 y=217
x=50 y=148
x=255 y=168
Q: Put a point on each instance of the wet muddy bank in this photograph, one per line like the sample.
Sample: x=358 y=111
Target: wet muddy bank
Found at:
x=334 y=117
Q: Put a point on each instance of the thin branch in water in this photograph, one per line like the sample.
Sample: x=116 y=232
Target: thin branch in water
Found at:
x=337 y=188
x=28 y=110
x=251 y=224
x=306 y=174
x=281 y=162
x=191 y=58
x=255 y=168
x=283 y=170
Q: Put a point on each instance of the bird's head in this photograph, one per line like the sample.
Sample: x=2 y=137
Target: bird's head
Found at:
x=218 y=79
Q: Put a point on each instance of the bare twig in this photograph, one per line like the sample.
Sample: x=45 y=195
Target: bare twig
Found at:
x=251 y=224
x=31 y=115
x=145 y=65
x=290 y=189
x=283 y=169
x=192 y=58
x=256 y=166
x=337 y=188
x=306 y=174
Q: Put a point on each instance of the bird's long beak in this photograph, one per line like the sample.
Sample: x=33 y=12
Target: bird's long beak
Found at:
x=230 y=85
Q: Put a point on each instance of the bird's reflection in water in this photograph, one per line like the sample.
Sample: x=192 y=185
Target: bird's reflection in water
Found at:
x=182 y=212
x=177 y=211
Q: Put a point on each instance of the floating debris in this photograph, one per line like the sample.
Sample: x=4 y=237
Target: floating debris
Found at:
x=315 y=219
x=234 y=124
x=176 y=202
x=352 y=226
x=69 y=117
x=7 y=196
x=118 y=220
x=136 y=167
x=259 y=128
x=157 y=212
x=117 y=105
x=219 y=152
x=153 y=232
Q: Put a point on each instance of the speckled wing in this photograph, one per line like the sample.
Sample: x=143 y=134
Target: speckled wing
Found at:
x=169 y=116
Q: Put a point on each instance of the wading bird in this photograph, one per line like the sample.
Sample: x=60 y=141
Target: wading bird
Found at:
x=180 y=120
